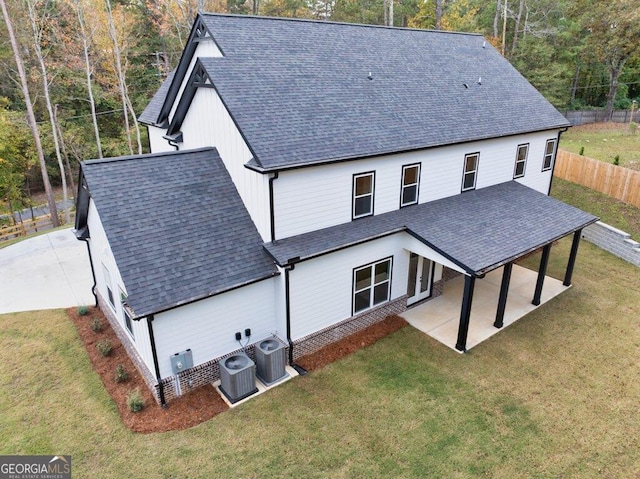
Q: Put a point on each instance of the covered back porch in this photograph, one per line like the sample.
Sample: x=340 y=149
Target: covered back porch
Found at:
x=440 y=317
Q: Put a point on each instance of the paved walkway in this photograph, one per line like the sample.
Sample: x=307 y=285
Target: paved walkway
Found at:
x=46 y=272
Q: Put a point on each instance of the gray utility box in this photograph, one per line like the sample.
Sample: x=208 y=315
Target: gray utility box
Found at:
x=181 y=361
x=237 y=377
x=271 y=358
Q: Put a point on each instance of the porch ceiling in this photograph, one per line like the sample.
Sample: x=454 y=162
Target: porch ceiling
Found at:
x=478 y=230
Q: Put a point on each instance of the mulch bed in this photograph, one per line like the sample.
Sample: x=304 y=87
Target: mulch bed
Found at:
x=203 y=403
x=350 y=344
x=189 y=410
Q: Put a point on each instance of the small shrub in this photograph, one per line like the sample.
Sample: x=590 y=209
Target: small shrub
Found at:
x=83 y=310
x=96 y=325
x=135 y=402
x=616 y=160
x=104 y=347
x=581 y=150
x=633 y=127
x=121 y=374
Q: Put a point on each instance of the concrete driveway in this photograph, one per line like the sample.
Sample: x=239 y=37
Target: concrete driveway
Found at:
x=46 y=272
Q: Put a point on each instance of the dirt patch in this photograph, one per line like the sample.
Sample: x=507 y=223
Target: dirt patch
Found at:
x=202 y=403
x=350 y=344
x=187 y=411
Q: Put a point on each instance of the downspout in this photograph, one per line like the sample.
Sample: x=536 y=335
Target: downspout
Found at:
x=554 y=159
x=93 y=271
x=287 y=298
x=174 y=144
x=163 y=403
x=271 y=208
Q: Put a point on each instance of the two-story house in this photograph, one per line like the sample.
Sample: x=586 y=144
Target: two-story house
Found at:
x=309 y=178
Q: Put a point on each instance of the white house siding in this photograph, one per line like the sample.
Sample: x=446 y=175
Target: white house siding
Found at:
x=208 y=327
x=102 y=255
x=157 y=144
x=321 y=289
x=206 y=49
x=312 y=198
x=208 y=123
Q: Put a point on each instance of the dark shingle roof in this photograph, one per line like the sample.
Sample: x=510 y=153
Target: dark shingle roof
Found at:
x=478 y=230
x=177 y=227
x=299 y=90
x=150 y=114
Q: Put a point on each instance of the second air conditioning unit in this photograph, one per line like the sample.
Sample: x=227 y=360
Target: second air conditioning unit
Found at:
x=271 y=359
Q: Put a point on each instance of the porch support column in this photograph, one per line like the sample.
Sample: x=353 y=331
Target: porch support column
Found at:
x=504 y=289
x=465 y=313
x=542 y=271
x=572 y=258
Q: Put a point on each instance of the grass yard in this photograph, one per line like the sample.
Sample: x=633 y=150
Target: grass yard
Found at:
x=610 y=210
x=603 y=141
x=554 y=395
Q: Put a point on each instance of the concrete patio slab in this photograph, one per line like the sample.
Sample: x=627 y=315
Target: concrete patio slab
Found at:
x=440 y=317
x=46 y=272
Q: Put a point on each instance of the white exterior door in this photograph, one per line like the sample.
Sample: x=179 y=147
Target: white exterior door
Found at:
x=420 y=275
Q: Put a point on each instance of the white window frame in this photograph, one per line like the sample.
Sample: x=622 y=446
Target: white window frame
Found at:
x=371 y=194
x=521 y=161
x=107 y=281
x=405 y=186
x=126 y=318
x=549 y=156
x=371 y=287
x=473 y=172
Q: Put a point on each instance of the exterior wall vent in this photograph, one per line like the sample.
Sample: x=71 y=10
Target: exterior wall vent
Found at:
x=237 y=377
x=271 y=361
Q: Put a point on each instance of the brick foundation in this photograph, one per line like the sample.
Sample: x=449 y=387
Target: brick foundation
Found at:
x=449 y=274
x=128 y=345
x=209 y=372
x=315 y=341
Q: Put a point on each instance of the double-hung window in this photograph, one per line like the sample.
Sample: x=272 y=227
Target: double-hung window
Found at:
x=470 y=171
x=549 y=150
x=521 y=161
x=371 y=285
x=107 y=282
x=125 y=313
x=363 y=189
x=410 y=184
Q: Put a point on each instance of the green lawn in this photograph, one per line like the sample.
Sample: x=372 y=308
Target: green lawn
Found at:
x=554 y=395
x=611 y=211
x=603 y=141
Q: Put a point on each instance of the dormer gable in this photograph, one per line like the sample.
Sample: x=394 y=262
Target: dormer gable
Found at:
x=199 y=35
x=198 y=78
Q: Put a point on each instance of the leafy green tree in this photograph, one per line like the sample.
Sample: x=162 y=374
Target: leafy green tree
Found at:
x=613 y=32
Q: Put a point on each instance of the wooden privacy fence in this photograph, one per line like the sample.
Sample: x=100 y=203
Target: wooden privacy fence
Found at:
x=615 y=181
x=27 y=227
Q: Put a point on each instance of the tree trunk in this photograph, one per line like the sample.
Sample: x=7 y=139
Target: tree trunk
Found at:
x=63 y=148
x=516 y=30
x=37 y=39
x=87 y=71
x=615 y=69
x=438 y=14
x=126 y=102
x=496 y=18
x=31 y=117
x=574 y=86
x=504 y=29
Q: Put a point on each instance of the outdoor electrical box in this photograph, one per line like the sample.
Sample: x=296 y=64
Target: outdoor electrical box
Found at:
x=181 y=361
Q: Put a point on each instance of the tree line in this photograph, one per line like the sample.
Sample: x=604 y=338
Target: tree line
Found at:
x=76 y=73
